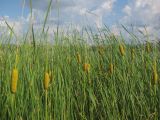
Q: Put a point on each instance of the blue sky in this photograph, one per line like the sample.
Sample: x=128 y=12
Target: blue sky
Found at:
x=14 y=8
x=84 y=12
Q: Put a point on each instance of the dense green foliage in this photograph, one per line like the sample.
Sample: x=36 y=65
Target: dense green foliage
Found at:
x=127 y=92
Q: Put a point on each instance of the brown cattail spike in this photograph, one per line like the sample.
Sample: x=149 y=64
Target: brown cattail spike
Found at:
x=46 y=81
x=86 y=67
x=111 y=68
x=14 y=81
x=78 y=58
x=122 y=50
x=155 y=74
x=155 y=78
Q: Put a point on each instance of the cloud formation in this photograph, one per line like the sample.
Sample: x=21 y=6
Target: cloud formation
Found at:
x=16 y=25
x=79 y=12
x=142 y=13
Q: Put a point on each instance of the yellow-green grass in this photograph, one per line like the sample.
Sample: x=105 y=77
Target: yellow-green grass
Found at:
x=128 y=93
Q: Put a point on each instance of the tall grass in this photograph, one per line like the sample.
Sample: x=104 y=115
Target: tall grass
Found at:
x=71 y=79
x=111 y=86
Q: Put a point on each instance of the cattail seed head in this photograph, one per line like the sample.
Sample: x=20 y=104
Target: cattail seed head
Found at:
x=155 y=74
x=111 y=68
x=14 y=81
x=155 y=77
x=86 y=67
x=46 y=81
x=122 y=50
x=78 y=58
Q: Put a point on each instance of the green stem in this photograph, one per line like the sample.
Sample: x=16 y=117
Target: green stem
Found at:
x=12 y=104
x=46 y=105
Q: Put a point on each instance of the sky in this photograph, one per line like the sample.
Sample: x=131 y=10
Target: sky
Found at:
x=113 y=13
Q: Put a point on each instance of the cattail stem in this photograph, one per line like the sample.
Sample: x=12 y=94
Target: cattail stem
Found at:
x=14 y=79
x=88 y=102
x=88 y=98
x=132 y=54
x=46 y=85
x=12 y=104
x=46 y=95
x=155 y=74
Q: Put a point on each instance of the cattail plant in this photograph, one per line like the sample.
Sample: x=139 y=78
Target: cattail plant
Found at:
x=14 y=81
x=122 y=50
x=46 y=85
x=14 y=75
x=86 y=67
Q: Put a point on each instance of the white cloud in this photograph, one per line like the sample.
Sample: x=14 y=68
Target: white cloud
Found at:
x=142 y=13
x=127 y=10
x=17 y=25
x=115 y=30
x=79 y=12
